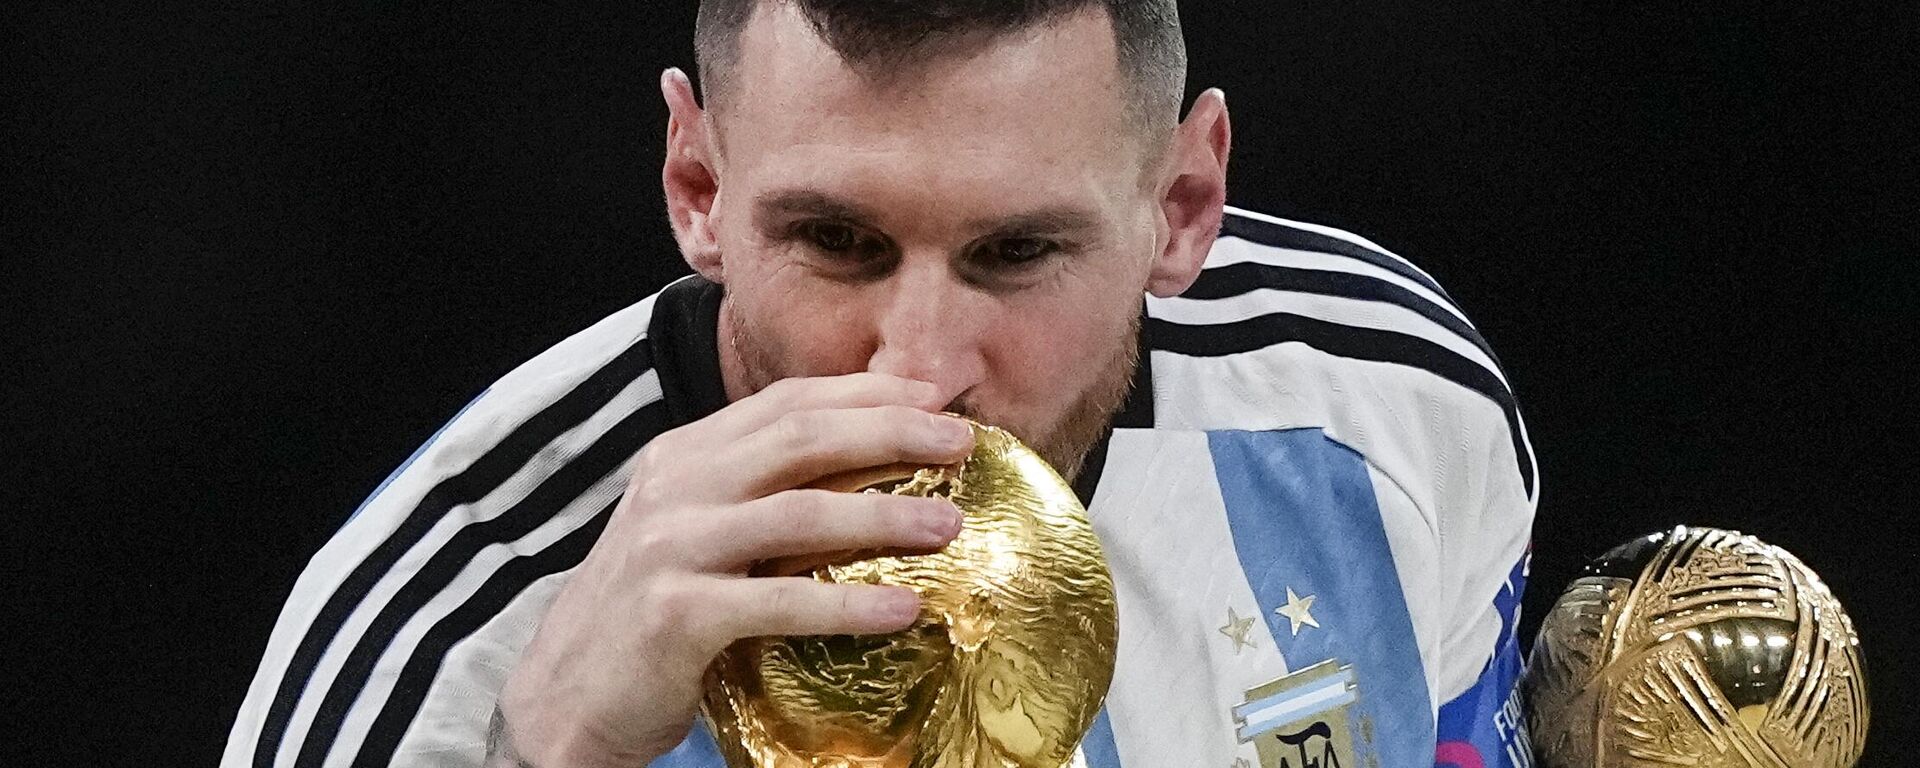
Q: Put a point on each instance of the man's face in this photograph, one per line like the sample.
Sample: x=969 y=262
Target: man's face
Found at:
x=987 y=223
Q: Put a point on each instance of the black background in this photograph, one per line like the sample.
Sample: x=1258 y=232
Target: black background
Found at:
x=256 y=253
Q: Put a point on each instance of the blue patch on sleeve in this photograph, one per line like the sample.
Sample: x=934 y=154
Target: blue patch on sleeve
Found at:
x=1485 y=727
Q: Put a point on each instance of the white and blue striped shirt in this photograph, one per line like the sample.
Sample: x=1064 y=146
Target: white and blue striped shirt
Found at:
x=1316 y=505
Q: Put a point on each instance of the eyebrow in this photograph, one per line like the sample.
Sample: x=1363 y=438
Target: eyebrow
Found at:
x=807 y=202
x=1043 y=221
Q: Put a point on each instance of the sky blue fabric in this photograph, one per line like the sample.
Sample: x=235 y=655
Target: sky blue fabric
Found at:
x=1304 y=517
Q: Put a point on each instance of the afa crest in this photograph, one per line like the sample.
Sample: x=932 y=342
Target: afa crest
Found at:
x=1303 y=720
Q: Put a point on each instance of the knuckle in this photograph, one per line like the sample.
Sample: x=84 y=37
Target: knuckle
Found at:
x=672 y=605
x=666 y=443
x=644 y=494
x=795 y=431
x=805 y=509
x=846 y=603
x=681 y=618
x=782 y=600
x=651 y=546
x=651 y=462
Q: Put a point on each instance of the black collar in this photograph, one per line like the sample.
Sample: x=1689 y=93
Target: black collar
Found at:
x=686 y=353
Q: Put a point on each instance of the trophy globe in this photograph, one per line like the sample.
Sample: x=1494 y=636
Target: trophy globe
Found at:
x=1698 y=647
x=1006 y=667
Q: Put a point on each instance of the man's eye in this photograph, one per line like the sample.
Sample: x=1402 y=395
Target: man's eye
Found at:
x=1021 y=250
x=829 y=236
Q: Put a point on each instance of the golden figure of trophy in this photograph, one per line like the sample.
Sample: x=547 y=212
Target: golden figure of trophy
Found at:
x=1006 y=667
x=1699 y=647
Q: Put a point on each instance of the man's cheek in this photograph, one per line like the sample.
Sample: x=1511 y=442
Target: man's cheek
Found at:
x=1064 y=345
x=827 y=350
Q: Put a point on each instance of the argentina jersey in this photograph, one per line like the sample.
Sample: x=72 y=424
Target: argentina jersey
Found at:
x=1316 y=505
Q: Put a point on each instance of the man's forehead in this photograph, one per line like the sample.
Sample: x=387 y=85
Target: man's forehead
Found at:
x=1059 y=78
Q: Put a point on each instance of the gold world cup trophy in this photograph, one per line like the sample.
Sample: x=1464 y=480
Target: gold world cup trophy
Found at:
x=1697 y=647
x=1005 y=668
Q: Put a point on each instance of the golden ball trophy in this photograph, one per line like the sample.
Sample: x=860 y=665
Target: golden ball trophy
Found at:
x=1697 y=647
x=1006 y=667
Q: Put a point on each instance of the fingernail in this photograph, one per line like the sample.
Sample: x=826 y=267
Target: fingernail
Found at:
x=941 y=522
x=896 y=607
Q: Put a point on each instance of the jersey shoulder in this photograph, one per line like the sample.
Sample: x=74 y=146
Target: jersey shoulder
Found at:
x=525 y=468
x=584 y=371
x=1297 y=325
x=616 y=342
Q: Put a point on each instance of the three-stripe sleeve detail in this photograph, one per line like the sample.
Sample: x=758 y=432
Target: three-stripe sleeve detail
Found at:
x=1339 y=296
x=486 y=473
x=416 y=678
x=1241 y=278
x=1283 y=234
x=565 y=484
x=1349 y=342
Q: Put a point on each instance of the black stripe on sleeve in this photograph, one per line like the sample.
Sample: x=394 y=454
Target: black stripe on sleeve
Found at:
x=1283 y=236
x=471 y=484
x=1350 y=342
x=561 y=488
x=1245 y=277
x=416 y=678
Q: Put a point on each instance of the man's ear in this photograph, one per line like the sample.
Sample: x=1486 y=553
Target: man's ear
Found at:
x=1194 y=194
x=692 y=185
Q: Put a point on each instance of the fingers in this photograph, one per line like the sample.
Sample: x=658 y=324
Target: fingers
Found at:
x=808 y=521
x=802 y=606
x=665 y=587
x=854 y=390
x=804 y=446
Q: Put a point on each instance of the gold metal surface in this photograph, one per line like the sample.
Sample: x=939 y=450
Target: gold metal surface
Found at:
x=1006 y=667
x=1697 y=647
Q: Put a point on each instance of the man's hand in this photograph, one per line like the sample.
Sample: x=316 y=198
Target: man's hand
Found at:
x=614 y=674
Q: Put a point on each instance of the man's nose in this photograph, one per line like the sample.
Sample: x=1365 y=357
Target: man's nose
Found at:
x=931 y=327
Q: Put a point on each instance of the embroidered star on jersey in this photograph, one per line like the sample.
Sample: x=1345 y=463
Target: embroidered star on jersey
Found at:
x=1237 y=628
x=1297 y=610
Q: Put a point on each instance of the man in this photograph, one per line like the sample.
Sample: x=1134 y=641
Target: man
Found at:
x=1305 y=466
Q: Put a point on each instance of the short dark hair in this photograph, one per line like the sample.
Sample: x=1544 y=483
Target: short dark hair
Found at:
x=884 y=36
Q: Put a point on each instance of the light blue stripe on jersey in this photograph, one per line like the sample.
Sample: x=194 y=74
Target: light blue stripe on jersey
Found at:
x=1303 y=515
x=417 y=453
x=1099 y=747
x=697 y=750
x=1287 y=706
